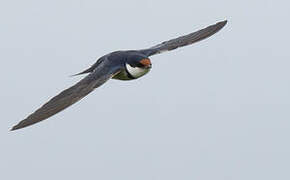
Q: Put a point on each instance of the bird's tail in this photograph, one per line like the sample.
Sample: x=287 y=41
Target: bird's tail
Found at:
x=84 y=72
x=90 y=69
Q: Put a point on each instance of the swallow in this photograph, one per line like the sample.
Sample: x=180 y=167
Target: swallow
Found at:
x=120 y=65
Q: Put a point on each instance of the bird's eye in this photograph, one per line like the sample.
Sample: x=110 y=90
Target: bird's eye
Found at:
x=139 y=65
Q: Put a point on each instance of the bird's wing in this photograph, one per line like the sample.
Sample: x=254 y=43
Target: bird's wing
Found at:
x=71 y=95
x=184 y=40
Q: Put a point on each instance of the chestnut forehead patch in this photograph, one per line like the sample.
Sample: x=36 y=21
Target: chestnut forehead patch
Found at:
x=146 y=62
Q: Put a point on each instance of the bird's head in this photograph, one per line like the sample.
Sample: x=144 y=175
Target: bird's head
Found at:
x=139 y=60
x=138 y=65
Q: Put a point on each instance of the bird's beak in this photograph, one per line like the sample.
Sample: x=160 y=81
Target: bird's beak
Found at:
x=149 y=66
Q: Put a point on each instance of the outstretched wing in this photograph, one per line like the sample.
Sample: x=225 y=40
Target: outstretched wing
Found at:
x=184 y=40
x=99 y=76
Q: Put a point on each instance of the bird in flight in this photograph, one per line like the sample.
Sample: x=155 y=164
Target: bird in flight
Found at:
x=121 y=65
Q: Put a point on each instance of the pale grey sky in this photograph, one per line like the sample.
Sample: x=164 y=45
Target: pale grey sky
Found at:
x=216 y=110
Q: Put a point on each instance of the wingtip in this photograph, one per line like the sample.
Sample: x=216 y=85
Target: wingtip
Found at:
x=20 y=125
x=14 y=128
x=17 y=126
x=223 y=23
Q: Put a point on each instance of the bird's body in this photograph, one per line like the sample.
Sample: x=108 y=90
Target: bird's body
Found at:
x=130 y=70
x=121 y=65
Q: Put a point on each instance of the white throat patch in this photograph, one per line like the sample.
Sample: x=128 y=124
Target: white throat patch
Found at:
x=136 y=72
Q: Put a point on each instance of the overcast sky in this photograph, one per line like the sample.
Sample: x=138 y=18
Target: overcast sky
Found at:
x=216 y=110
